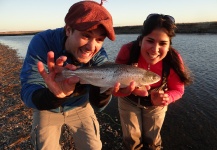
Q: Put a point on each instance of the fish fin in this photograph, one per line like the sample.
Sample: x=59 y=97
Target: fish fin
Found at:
x=83 y=81
x=142 y=87
x=103 y=89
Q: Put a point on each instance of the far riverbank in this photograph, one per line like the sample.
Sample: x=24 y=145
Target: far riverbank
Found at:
x=201 y=27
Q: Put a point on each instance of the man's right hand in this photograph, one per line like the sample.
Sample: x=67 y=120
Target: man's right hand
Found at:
x=62 y=88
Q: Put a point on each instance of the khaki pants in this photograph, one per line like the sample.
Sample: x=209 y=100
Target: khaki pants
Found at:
x=141 y=126
x=46 y=128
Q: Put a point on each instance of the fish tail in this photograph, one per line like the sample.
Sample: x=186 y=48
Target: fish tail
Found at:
x=67 y=73
x=63 y=75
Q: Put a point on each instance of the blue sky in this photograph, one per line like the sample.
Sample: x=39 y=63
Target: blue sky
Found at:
x=25 y=15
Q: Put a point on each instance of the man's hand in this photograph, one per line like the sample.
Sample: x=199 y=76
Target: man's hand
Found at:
x=62 y=88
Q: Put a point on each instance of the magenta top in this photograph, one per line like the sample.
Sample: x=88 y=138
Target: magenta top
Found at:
x=175 y=86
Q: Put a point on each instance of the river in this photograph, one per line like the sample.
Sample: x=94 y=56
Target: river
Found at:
x=191 y=122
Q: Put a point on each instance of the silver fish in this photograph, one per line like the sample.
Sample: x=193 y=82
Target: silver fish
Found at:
x=108 y=74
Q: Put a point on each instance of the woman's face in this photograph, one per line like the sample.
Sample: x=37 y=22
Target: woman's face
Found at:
x=155 y=46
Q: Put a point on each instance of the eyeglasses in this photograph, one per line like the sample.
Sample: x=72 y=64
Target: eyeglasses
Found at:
x=164 y=16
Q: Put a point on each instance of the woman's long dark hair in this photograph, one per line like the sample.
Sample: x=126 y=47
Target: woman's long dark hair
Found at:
x=155 y=21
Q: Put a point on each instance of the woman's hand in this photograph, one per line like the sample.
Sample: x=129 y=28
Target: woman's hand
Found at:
x=159 y=98
x=62 y=88
x=131 y=89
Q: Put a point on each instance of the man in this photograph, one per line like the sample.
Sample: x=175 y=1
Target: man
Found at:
x=56 y=103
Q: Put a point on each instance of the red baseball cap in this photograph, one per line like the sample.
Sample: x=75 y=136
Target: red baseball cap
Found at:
x=85 y=15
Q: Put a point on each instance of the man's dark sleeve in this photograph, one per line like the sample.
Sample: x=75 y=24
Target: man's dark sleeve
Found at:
x=44 y=99
x=97 y=99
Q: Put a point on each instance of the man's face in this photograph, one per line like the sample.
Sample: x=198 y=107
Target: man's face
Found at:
x=83 y=45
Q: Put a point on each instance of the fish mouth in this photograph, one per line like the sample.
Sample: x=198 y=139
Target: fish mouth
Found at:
x=156 y=78
x=153 y=77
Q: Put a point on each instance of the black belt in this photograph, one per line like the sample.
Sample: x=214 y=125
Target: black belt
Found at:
x=139 y=100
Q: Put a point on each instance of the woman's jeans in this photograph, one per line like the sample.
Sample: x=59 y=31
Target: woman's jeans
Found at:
x=141 y=126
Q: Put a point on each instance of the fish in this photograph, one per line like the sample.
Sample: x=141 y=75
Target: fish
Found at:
x=108 y=74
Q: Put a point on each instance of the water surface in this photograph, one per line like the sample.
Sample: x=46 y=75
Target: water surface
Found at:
x=191 y=122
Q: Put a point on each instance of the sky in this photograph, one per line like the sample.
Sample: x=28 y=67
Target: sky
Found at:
x=28 y=15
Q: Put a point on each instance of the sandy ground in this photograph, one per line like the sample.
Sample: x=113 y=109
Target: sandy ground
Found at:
x=16 y=118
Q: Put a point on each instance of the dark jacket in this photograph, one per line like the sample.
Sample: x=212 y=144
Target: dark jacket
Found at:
x=34 y=92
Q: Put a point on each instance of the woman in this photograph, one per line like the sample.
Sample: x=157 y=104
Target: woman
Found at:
x=142 y=117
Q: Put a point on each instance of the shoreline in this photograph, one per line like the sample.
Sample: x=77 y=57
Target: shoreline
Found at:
x=18 y=33
x=15 y=117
